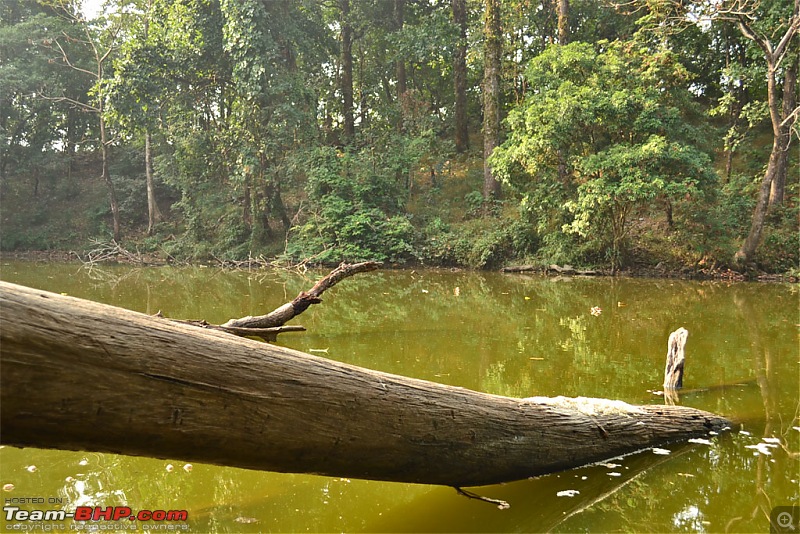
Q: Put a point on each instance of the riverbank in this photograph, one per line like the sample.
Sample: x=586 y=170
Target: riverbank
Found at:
x=552 y=270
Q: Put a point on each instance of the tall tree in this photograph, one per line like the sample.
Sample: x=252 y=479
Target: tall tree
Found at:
x=563 y=22
x=782 y=116
x=460 y=76
x=101 y=41
x=492 y=56
x=347 y=71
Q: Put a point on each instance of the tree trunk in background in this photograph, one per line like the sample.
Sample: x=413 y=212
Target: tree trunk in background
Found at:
x=460 y=76
x=492 y=51
x=778 y=189
x=563 y=22
x=781 y=129
x=206 y=396
x=153 y=213
x=400 y=65
x=106 y=175
x=347 y=72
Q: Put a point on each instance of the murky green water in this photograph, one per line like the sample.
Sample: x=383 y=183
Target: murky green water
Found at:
x=507 y=334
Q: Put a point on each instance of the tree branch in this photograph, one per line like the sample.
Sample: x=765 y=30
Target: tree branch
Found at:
x=301 y=302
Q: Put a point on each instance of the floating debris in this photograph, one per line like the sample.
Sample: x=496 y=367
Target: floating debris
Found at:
x=8 y=487
x=744 y=432
x=664 y=452
x=246 y=520
x=457 y=291
x=596 y=310
x=83 y=461
x=614 y=474
x=31 y=468
x=170 y=468
x=187 y=468
x=325 y=350
x=700 y=441
x=776 y=441
x=568 y=493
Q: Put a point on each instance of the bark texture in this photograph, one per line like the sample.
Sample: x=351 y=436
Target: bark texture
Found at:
x=460 y=76
x=676 y=357
x=492 y=52
x=80 y=375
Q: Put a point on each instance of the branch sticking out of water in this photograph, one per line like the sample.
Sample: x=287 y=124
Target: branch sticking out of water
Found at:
x=501 y=504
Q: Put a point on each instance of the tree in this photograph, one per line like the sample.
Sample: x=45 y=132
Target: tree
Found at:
x=618 y=119
x=492 y=56
x=134 y=100
x=101 y=44
x=772 y=26
x=782 y=115
x=460 y=76
x=563 y=22
x=346 y=86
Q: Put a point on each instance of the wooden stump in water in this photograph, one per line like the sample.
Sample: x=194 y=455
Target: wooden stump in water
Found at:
x=673 y=372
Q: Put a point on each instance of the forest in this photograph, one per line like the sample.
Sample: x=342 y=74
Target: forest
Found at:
x=629 y=135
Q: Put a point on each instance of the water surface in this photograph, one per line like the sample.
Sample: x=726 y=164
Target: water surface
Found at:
x=513 y=335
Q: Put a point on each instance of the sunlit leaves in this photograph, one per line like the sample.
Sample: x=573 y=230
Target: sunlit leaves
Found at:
x=604 y=130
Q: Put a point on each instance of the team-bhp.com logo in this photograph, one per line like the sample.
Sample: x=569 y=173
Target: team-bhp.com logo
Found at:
x=93 y=513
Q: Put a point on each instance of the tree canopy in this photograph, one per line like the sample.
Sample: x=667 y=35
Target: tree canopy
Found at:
x=469 y=132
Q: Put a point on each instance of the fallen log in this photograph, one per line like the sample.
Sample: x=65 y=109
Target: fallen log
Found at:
x=79 y=375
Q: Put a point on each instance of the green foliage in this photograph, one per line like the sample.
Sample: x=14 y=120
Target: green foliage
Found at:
x=604 y=132
x=356 y=209
x=478 y=243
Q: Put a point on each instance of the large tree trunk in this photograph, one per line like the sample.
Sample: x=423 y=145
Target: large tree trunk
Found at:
x=460 y=76
x=492 y=52
x=79 y=375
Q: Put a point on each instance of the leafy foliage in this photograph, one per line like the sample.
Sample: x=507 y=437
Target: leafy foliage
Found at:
x=605 y=132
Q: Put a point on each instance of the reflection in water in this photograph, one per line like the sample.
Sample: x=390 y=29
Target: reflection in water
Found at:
x=512 y=335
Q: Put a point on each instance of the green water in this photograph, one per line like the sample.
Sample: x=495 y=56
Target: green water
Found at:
x=507 y=334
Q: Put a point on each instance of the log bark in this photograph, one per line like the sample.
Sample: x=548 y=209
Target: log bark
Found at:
x=676 y=357
x=79 y=375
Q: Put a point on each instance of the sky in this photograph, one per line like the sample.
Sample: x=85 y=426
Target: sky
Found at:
x=91 y=8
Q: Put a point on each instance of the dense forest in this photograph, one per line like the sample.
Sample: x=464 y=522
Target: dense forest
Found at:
x=617 y=134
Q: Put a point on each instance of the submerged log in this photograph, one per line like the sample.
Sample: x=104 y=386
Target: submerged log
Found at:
x=79 y=375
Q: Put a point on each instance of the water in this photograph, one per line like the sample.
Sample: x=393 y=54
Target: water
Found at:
x=513 y=335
